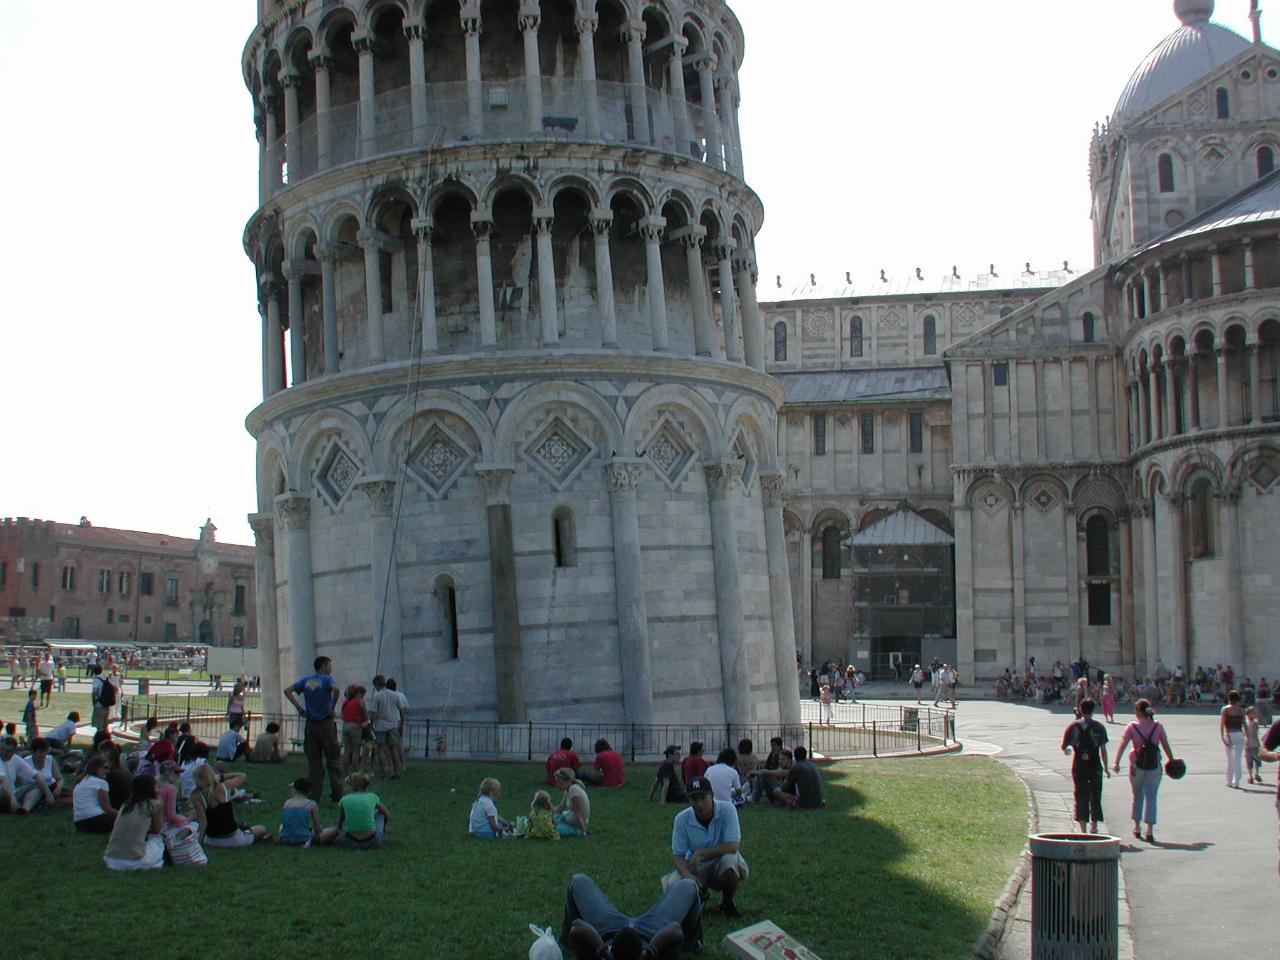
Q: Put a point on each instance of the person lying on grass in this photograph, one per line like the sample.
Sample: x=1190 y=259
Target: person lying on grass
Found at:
x=215 y=812
x=594 y=929
x=300 y=819
x=362 y=818
x=485 y=824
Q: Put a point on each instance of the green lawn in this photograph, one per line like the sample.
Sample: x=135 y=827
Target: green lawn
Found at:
x=903 y=863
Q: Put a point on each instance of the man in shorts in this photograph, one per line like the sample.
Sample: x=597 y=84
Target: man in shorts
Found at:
x=45 y=671
x=384 y=711
x=705 y=840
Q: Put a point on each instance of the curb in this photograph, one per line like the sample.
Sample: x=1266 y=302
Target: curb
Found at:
x=988 y=944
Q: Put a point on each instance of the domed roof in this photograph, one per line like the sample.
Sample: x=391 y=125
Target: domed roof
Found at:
x=1195 y=49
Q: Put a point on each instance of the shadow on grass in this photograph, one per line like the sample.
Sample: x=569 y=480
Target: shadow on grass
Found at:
x=903 y=863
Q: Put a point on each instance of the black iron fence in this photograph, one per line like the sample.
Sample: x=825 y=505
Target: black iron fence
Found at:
x=871 y=731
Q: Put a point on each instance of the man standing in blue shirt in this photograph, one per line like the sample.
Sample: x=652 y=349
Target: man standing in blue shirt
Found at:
x=705 y=838
x=319 y=697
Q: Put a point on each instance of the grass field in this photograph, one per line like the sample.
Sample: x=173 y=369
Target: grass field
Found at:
x=904 y=862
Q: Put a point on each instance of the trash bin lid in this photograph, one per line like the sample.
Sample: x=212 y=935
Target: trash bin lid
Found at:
x=1074 y=846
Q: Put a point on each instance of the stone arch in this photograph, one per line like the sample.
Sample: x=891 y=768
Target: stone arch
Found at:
x=332 y=227
x=272 y=468
x=873 y=514
x=637 y=192
x=339 y=18
x=675 y=397
x=979 y=487
x=370 y=9
x=1037 y=480
x=423 y=404
x=793 y=524
x=452 y=189
x=296 y=235
x=680 y=199
x=938 y=518
x=574 y=184
x=1155 y=481
x=1197 y=462
x=512 y=181
x=1097 y=491
x=386 y=197
x=1260 y=316
x=310 y=444
x=531 y=400
x=295 y=45
x=711 y=216
x=747 y=414
x=831 y=514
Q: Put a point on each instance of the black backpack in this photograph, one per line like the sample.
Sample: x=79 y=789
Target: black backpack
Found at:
x=1086 y=742
x=1148 y=757
x=107 y=695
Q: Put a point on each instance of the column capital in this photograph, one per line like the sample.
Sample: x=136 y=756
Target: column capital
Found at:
x=320 y=59
x=744 y=262
x=381 y=492
x=586 y=25
x=679 y=45
x=471 y=25
x=423 y=228
x=414 y=31
x=289 y=78
x=293 y=511
x=724 y=248
x=481 y=225
x=601 y=221
x=292 y=270
x=264 y=529
x=651 y=228
x=326 y=252
x=722 y=476
x=1228 y=498
x=268 y=289
x=495 y=482
x=773 y=485
x=363 y=42
x=633 y=31
x=625 y=474
x=530 y=22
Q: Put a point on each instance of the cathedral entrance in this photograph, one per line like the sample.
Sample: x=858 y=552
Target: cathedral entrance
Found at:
x=886 y=652
x=205 y=633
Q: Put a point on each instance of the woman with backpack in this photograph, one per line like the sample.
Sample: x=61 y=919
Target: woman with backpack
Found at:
x=1147 y=737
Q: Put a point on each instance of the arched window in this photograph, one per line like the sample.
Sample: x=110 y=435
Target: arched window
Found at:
x=1266 y=161
x=1087 y=328
x=779 y=342
x=447 y=609
x=930 y=335
x=1200 y=518
x=831 y=553
x=68 y=578
x=1097 y=538
x=855 y=336
x=1005 y=311
x=564 y=537
x=1223 y=100
x=1164 y=172
x=104 y=581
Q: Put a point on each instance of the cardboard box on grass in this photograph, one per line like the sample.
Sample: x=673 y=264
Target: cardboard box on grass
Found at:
x=767 y=941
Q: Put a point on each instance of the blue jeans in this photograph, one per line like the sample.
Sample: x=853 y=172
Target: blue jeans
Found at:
x=371 y=842
x=565 y=828
x=680 y=904
x=1145 y=785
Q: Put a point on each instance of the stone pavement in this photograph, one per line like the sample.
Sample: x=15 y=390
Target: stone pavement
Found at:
x=1207 y=883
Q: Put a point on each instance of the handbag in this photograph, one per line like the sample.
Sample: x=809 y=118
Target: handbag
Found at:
x=184 y=848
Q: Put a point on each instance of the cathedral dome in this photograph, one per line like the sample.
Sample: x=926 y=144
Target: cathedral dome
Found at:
x=1195 y=49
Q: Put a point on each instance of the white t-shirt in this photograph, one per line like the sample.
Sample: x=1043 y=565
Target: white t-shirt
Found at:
x=385 y=704
x=481 y=811
x=49 y=771
x=46 y=670
x=188 y=778
x=724 y=780
x=84 y=798
x=63 y=732
x=18 y=770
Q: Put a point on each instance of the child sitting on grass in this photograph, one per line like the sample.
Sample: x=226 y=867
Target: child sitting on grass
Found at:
x=485 y=822
x=300 y=819
x=362 y=819
x=541 y=824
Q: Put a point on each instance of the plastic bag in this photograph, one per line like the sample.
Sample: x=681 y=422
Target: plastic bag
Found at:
x=545 y=946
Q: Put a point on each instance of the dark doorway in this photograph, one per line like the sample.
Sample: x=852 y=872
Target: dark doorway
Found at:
x=885 y=650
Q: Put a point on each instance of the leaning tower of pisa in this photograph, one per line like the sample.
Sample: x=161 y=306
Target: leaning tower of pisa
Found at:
x=516 y=445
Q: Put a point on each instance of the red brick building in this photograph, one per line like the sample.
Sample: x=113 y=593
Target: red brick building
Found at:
x=103 y=585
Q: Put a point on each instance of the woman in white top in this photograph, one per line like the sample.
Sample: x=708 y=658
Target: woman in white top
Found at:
x=573 y=814
x=91 y=800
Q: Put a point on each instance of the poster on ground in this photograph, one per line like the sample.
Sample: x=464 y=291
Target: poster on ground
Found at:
x=767 y=941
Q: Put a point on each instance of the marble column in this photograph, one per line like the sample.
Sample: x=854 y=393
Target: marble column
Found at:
x=482 y=226
x=1178 y=559
x=601 y=222
x=324 y=122
x=704 y=331
x=1224 y=393
x=722 y=486
x=752 y=325
x=586 y=27
x=1150 y=584
x=423 y=232
x=1128 y=653
x=962 y=518
x=328 y=257
x=1232 y=576
x=1153 y=403
x=508 y=653
x=270 y=169
x=475 y=86
x=293 y=513
x=384 y=586
x=633 y=35
x=1073 y=534
x=679 y=97
x=625 y=476
x=274 y=373
x=726 y=124
x=1144 y=423
x=1193 y=389
x=710 y=123
x=1018 y=602
x=372 y=246
x=1147 y=302
x=781 y=611
x=806 y=595
x=1249 y=281
x=1255 y=385
x=264 y=165
x=723 y=252
x=292 y=139
x=368 y=117
x=651 y=228
x=264 y=576
x=1215 y=263
x=1169 y=422
x=1188 y=279
x=543 y=220
x=529 y=24
x=293 y=274
x=417 y=83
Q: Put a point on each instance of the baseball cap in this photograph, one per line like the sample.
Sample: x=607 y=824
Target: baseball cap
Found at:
x=698 y=785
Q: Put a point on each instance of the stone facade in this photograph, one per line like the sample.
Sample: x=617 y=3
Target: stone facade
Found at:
x=78 y=581
x=526 y=458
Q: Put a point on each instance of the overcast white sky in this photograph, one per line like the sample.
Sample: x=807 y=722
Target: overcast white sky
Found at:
x=879 y=135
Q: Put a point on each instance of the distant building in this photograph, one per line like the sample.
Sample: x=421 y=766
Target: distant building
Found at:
x=79 y=581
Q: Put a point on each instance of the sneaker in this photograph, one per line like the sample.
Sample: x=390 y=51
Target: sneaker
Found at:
x=627 y=945
x=585 y=941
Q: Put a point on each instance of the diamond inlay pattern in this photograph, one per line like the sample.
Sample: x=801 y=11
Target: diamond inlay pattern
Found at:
x=670 y=453
x=337 y=474
x=558 y=452
x=438 y=461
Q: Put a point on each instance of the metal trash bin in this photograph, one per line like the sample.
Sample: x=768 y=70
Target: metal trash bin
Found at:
x=1075 y=896
x=144 y=686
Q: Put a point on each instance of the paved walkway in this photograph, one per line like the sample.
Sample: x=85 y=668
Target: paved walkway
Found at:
x=1210 y=880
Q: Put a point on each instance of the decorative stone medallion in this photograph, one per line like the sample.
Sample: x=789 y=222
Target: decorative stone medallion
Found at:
x=1043 y=499
x=891 y=318
x=337 y=473
x=1263 y=475
x=438 y=460
x=990 y=501
x=817 y=325
x=558 y=452
x=669 y=452
x=966 y=315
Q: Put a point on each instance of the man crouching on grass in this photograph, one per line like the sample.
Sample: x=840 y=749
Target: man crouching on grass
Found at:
x=705 y=838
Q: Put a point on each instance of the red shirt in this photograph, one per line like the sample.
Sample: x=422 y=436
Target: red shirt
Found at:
x=561 y=758
x=693 y=766
x=162 y=751
x=609 y=763
x=353 y=711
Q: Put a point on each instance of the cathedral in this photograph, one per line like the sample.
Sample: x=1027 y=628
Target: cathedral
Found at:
x=1091 y=458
